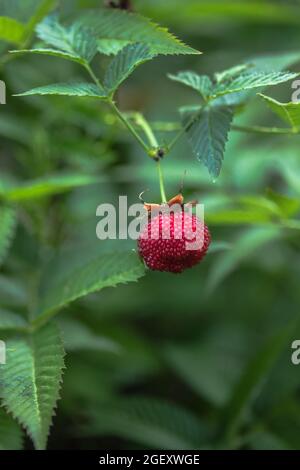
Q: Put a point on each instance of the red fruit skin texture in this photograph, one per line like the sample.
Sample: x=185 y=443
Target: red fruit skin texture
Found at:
x=171 y=253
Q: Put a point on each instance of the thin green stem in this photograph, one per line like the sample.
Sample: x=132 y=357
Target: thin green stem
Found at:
x=161 y=182
x=116 y=110
x=181 y=132
x=141 y=122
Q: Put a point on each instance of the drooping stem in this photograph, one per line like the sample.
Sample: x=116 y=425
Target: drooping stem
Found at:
x=153 y=148
x=128 y=125
x=116 y=110
x=141 y=122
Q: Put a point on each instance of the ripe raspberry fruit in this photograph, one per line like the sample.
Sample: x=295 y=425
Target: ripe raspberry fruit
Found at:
x=173 y=241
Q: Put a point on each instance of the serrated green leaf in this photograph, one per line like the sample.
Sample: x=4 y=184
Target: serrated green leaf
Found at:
x=150 y=422
x=124 y=64
x=65 y=282
x=77 y=40
x=47 y=186
x=111 y=46
x=132 y=27
x=7 y=229
x=208 y=135
x=11 y=321
x=11 y=437
x=252 y=80
x=51 y=52
x=11 y=30
x=288 y=112
x=30 y=380
x=68 y=89
x=200 y=83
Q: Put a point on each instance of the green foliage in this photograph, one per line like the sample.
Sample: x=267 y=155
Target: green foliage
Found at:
x=120 y=27
x=43 y=187
x=150 y=422
x=212 y=347
x=11 y=321
x=124 y=64
x=200 y=83
x=10 y=433
x=288 y=112
x=30 y=380
x=76 y=40
x=64 y=282
x=7 y=228
x=208 y=135
x=253 y=375
x=247 y=244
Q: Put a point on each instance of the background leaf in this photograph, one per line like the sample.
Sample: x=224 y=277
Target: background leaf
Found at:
x=7 y=228
x=30 y=380
x=11 y=30
x=63 y=282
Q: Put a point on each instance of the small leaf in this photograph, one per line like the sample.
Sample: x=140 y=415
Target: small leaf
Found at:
x=30 y=380
x=11 y=437
x=208 y=135
x=252 y=80
x=48 y=186
x=288 y=112
x=68 y=89
x=77 y=40
x=124 y=64
x=7 y=229
x=51 y=52
x=11 y=30
x=200 y=83
x=65 y=282
x=11 y=321
x=123 y=26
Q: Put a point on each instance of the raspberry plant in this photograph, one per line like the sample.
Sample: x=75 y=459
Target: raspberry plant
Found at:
x=31 y=379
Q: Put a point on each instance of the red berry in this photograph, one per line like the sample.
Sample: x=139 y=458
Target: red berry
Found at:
x=173 y=242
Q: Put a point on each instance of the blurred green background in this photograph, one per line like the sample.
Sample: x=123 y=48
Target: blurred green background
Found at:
x=198 y=360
